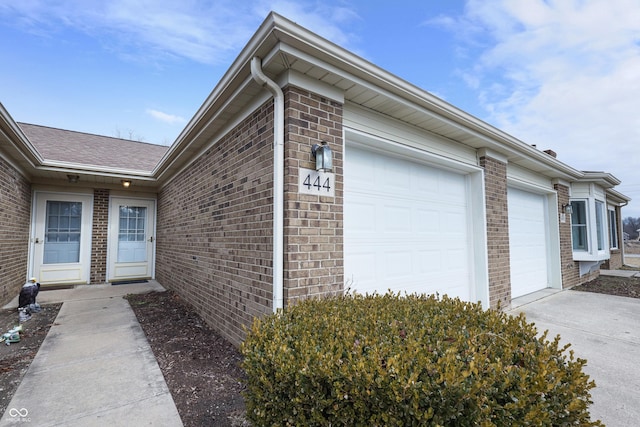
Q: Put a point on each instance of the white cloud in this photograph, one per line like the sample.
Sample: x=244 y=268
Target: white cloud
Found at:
x=322 y=18
x=563 y=74
x=167 y=118
x=204 y=31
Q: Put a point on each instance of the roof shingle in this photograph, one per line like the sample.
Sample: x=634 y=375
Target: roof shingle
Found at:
x=93 y=150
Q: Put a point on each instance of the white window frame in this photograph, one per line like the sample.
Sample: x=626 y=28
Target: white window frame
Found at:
x=584 y=226
x=612 y=217
x=595 y=229
x=600 y=225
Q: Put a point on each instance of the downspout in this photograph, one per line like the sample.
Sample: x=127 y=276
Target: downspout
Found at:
x=278 y=180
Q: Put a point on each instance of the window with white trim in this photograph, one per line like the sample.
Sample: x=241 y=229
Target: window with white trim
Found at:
x=579 y=225
x=613 y=228
x=600 y=227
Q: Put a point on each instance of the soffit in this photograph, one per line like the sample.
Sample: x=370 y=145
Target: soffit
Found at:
x=283 y=45
x=369 y=86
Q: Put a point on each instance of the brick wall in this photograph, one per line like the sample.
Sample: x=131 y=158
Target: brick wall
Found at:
x=495 y=181
x=215 y=227
x=313 y=237
x=15 y=214
x=99 y=236
x=570 y=268
x=615 y=262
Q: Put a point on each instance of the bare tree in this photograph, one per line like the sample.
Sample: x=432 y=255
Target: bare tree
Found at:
x=132 y=136
x=631 y=226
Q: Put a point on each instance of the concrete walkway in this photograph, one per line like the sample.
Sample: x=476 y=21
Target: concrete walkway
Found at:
x=620 y=273
x=95 y=367
x=604 y=330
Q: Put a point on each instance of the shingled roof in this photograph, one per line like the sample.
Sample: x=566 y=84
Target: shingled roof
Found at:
x=87 y=149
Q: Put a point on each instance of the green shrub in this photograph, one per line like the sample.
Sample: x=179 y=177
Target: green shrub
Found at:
x=408 y=361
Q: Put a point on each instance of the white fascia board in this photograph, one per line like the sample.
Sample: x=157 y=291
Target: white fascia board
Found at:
x=66 y=167
x=616 y=197
x=236 y=76
x=13 y=133
x=604 y=179
x=289 y=37
x=373 y=78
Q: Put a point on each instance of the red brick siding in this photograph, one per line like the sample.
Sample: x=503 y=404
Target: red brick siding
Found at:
x=313 y=235
x=495 y=181
x=99 y=236
x=215 y=227
x=15 y=214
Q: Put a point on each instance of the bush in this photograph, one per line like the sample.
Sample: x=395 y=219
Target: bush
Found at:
x=407 y=361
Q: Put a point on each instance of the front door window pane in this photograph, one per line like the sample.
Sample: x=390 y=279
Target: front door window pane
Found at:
x=62 y=232
x=132 y=234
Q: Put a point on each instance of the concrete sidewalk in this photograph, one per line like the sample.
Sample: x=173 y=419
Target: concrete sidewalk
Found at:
x=604 y=330
x=95 y=367
x=620 y=273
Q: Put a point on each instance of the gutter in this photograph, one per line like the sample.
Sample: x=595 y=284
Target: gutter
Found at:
x=278 y=180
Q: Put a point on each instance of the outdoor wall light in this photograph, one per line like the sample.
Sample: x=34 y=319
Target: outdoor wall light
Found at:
x=126 y=183
x=73 y=178
x=322 y=153
x=568 y=209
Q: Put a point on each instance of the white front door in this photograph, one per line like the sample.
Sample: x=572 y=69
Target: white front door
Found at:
x=131 y=239
x=62 y=238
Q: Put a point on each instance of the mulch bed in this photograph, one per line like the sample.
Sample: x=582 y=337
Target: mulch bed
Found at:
x=16 y=358
x=610 y=285
x=201 y=368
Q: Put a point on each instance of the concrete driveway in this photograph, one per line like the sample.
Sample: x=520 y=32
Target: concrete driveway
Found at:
x=604 y=330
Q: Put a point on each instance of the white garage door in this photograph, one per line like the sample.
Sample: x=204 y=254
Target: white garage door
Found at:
x=406 y=227
x=527 y=242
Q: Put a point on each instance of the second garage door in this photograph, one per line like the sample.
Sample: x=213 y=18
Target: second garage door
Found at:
x=406 y=226
x=528 y=247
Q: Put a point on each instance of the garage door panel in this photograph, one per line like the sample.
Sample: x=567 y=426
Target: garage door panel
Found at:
x=416 y=233
x=398 y=218
x=398 y=264
x=528 y=247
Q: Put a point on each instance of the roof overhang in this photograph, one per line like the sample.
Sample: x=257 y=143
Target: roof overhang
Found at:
x=15 y=144
x=617 y=198
x=603 y=179
x=286 y=47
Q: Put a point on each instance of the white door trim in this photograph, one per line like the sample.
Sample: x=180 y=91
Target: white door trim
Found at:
x=67 y=273
x=133 y=270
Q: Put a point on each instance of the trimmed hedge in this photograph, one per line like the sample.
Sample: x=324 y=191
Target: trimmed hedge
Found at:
x=408 y=361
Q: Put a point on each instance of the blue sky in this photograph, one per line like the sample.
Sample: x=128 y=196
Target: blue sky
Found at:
x=561 y=74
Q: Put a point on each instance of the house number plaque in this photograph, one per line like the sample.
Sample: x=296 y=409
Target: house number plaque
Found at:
x=316 y=183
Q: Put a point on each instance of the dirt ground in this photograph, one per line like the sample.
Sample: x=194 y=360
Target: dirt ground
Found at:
x=16 y=358
x=200 y=367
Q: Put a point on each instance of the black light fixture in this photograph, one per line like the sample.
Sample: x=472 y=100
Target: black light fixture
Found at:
x=126 y=183
x=322 y=153
x=73 y=178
